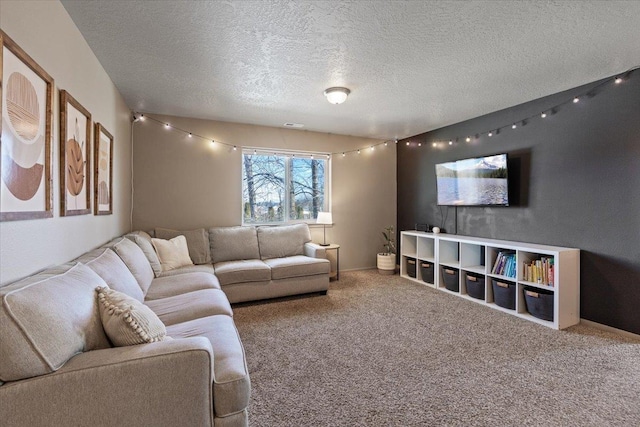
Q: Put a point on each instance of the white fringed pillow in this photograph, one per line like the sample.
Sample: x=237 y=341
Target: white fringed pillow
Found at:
x=173 y=253
x=127 y=321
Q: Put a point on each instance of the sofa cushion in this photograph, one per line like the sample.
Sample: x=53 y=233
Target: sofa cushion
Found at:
x=143 y=240
x=46 y=319
x=297 y=266
x=201 y=268
x=135 y=260
x=231 y=384
x=127 y=321
x=169 y=286
x=172 y=253
x=115 y=273
x=282 y=241
x=233 y=243
x=197 y=242
x=253 y=270
x=193 y=305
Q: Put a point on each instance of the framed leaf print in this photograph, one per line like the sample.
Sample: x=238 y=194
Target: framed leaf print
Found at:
x=75 y=157
x=102 y=171
x=26 y=101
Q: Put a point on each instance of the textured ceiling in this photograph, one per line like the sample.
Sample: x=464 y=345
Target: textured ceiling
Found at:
x=412 y=66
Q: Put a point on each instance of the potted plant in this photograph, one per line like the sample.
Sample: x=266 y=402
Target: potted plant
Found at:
x=387 y=259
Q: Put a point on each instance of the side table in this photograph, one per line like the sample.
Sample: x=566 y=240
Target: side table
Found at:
x=336 y=248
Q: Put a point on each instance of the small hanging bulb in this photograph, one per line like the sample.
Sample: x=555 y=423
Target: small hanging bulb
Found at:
x=543 y=115
x=235 y=148
x=343 y=154
x=255 y=151
x=575 y=100
x=167 y=125
x=618 y=80
x=385 y=143
x=373 y=148
x=312 y=157
x=490 y=134
x=213 y=142
x=468 y=139
x=142 y=117
x=513 y=126
x=328 y=156
x=358 y=151
x=434 y=144
x=407 y=143
x=450 y=142
x=396 y=140
x=190 y=135
x=419 y=144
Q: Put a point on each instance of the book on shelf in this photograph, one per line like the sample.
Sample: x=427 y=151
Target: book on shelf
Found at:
x=539 y=271
x=505 y=264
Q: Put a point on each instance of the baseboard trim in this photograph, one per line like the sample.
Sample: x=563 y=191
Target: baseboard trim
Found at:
x=609 y=329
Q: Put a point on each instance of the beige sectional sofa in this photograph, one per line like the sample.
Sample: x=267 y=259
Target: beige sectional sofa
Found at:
x=58 y=365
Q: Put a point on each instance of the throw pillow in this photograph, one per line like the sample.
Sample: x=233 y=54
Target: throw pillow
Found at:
x=172 y=253
x=127 y=321
x=197 y=242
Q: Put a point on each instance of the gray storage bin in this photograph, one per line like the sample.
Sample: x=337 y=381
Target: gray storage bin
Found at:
x=411 y=267
x=539 y=303
x=475 y=285
x=451 y=278
x=504 y=294
x=426 y=271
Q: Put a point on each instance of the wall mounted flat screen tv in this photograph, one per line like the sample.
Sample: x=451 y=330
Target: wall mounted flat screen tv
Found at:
x=481 y=181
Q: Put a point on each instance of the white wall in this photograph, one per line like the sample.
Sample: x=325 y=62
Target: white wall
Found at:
x=186 y=183
x=46 y=32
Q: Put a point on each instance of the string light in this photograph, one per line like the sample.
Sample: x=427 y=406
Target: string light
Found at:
x=616 y=80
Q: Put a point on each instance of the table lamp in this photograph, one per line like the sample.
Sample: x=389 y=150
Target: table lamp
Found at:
x=324 y=218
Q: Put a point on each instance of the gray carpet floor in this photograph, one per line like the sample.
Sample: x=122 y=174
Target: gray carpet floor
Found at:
x=385 y=351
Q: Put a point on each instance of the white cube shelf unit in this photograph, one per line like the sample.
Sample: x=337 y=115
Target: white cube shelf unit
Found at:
x=476 y=257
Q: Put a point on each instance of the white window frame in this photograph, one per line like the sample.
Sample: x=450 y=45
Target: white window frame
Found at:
x=288 y=154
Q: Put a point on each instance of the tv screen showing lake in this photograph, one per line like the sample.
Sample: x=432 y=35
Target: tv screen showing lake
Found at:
x=479 y=181
x=472 y=191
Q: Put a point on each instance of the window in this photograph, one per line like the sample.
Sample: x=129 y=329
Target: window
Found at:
x=280 y=187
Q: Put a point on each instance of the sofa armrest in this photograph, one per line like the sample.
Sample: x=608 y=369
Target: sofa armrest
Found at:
x=167 y=383
x=314 y=250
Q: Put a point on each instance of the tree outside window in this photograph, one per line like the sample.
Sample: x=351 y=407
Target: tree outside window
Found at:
x=283 y=187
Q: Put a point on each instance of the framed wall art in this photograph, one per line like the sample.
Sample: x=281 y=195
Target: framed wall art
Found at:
x=102 y=171
x=75 y=157
x=26 y=101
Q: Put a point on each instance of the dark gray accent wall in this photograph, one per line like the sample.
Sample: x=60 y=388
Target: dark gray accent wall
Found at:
x=574 y=180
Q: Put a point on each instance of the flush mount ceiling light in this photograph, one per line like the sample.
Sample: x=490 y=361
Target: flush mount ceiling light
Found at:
x=337 y=95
